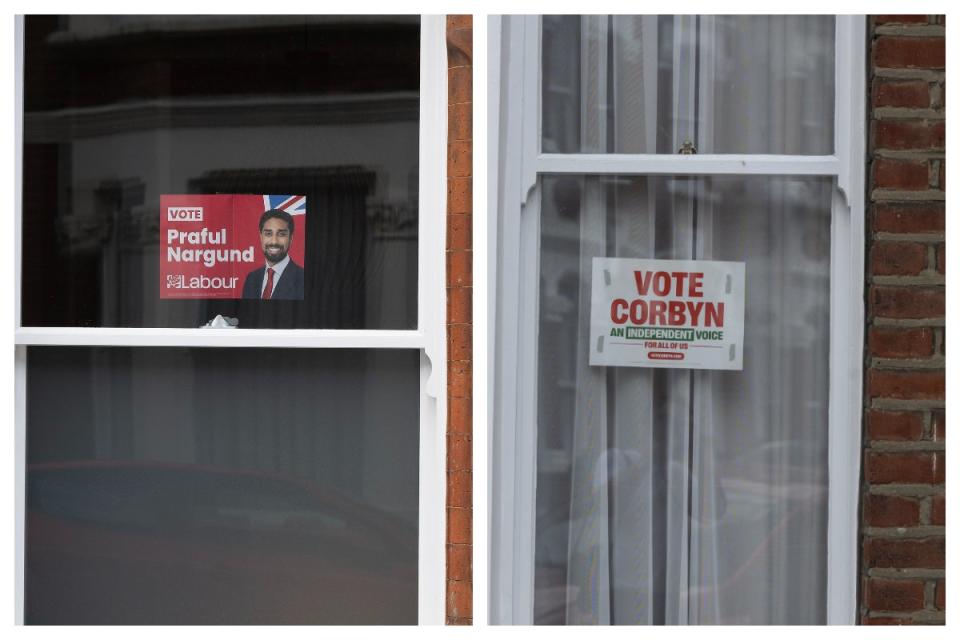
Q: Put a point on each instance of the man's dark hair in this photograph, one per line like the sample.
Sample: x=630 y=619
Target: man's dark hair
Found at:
x=277 y=213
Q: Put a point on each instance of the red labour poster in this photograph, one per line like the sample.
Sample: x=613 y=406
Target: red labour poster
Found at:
x=232 y=246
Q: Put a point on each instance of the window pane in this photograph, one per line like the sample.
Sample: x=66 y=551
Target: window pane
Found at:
x=221 y=486
x=123 y=111
x=728 y=84
x=669 y=496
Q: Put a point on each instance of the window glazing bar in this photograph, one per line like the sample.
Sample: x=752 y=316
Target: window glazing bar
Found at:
x=719 y=164
x=276 y=338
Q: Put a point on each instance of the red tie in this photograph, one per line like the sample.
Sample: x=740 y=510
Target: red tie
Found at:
x=268 y=290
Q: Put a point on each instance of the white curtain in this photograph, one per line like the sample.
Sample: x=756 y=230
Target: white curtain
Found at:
x=673 y=496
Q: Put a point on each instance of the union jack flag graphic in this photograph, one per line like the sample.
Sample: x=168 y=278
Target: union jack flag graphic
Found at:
x=294 y=205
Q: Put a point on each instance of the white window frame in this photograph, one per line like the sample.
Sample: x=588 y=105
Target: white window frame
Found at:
x=514 y=68
x=429 y=337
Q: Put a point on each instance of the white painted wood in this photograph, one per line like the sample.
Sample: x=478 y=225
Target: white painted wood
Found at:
x=486 y=98
x=531 y=133
x=525 y=436
x=289 y=338
x=431 y=283
x=431 y=540
x=431 y=318
x=506 y=596
x=842 y=457
x=699 y=164
x=846 y=323
x=503 y=338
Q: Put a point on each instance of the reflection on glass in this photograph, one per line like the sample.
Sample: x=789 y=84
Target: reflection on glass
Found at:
x=120 y=110
x=682 y=496
x=727 y=84
x=221 y=486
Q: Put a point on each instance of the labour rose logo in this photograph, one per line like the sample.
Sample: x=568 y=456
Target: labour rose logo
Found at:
x=175 y=282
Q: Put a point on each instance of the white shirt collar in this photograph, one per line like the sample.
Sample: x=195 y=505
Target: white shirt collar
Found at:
x=278 y=268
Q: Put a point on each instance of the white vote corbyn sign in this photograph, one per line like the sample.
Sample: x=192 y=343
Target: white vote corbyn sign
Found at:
x=685 y=314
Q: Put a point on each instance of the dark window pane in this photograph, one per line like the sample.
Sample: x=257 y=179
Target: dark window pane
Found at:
x=227 y=486
x=121 y=110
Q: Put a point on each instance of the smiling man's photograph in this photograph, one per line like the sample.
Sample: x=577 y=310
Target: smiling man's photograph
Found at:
x=280 y=278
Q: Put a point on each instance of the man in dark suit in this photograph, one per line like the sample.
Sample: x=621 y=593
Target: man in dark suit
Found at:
x=280 y=278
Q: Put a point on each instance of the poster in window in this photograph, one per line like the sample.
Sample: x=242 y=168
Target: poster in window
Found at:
x=232 y=246
x=677 y=314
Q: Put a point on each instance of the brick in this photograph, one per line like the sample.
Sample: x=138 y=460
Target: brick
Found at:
x=913 y=94
x=909 y=218
x=459 y=488
x=459 y=47
x=894 y=595
x=459 y=304
x=904 y=553
x=909 y=175
x=887 y=342
x=894 y=425
x=460 y=379
x=459 y=526
x=942 y=258
x=885 y=620
x=459 y=453
x=460 y=159
x=464 y=21
x=459 y=416
x=460 y=121
x=942 y=176
x=459 y=342
x=459 y=85
x=459 y=599
x=459 y=562
x=459 y=268
x=898 y=258
x=459 y=605
x=940 y=599
x=938 y=514
x=907 y=302
x=459 y=231
x=909 y=134
x=459 y=195
x=906 y=385
x=890 y=511
x=908 y=468
x=897 y=52
x=938 y=425
x=906 y=19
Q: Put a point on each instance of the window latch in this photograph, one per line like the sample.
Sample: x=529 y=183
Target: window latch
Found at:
x=687 y=149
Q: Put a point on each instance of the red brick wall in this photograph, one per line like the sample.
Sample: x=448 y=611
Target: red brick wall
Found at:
x=459 y=319
x=902 y=568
